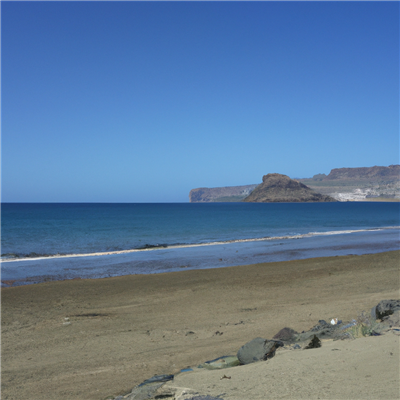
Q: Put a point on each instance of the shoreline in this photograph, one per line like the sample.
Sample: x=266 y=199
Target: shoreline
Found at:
x=190 y=245
x=219 y=255
x=123 y=330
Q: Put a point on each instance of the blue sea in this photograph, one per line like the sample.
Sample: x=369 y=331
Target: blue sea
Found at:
x=52 y=241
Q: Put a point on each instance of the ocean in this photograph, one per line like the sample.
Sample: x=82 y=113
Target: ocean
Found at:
x=52 y=241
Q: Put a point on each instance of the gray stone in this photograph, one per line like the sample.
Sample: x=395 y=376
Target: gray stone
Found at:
x=148 y=388
x=385 y=308
x=258 y=349
x=387 y=322
x=322 y=330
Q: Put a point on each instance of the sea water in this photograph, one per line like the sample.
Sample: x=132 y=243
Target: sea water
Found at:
x=63 y=241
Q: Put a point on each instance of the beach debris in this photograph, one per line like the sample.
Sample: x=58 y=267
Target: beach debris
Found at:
x=314 y=344
x=218 y=333
x=335 y=321
x=367 y=325
x=221 y=362
x=225 y=377
x=258 y=349
x=350 y=324
x=188 y=369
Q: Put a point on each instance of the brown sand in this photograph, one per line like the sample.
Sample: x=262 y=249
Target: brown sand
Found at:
x=366 y=368
x=126 y=329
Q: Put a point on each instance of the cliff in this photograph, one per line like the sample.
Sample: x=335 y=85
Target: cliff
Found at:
x=371 y=173
x=220 y=194
x=280 y=188
x=359 y=184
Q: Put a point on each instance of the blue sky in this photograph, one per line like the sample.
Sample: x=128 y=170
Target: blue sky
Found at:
x=143 y=101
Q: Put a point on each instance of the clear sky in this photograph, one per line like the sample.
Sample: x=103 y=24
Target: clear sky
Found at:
x=143 y=101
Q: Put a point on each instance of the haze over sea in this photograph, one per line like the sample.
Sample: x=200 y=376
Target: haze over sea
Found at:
x=49 y=241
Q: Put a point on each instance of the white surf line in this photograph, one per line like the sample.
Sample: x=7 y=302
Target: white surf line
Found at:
x=183 y=246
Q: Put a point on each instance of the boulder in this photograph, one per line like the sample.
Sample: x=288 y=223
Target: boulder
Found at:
x=258 y=349
x=286 y=335
x=385 y=308
x=387 y=323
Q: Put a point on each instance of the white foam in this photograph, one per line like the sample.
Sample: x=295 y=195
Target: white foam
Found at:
x=182 y=246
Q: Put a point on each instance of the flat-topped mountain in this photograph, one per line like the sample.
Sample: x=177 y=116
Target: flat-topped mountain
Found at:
x=278 y=188
x=375 y=173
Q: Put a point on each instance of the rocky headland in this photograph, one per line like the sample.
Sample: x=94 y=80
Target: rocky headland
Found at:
x=280 y=188
x=376 y=183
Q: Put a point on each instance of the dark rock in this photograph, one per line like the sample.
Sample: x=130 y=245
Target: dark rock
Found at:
x=285 y=334
x=385 y=308
x=320 y=326
x=280 y=188
x=314 y=344
x=258 y=349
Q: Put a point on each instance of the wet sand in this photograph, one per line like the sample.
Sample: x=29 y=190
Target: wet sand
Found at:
x=126 y=329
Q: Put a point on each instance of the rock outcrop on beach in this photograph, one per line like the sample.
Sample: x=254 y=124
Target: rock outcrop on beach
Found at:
x=376 y=323
x=280 y=188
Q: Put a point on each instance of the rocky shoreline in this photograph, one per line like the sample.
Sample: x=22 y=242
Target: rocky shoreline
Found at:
x=383 y=318
x=124 y=330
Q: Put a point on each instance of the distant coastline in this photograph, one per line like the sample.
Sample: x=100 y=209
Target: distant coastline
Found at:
x=343 y=184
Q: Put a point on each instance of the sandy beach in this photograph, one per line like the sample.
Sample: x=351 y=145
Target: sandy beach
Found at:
x=92 y=339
